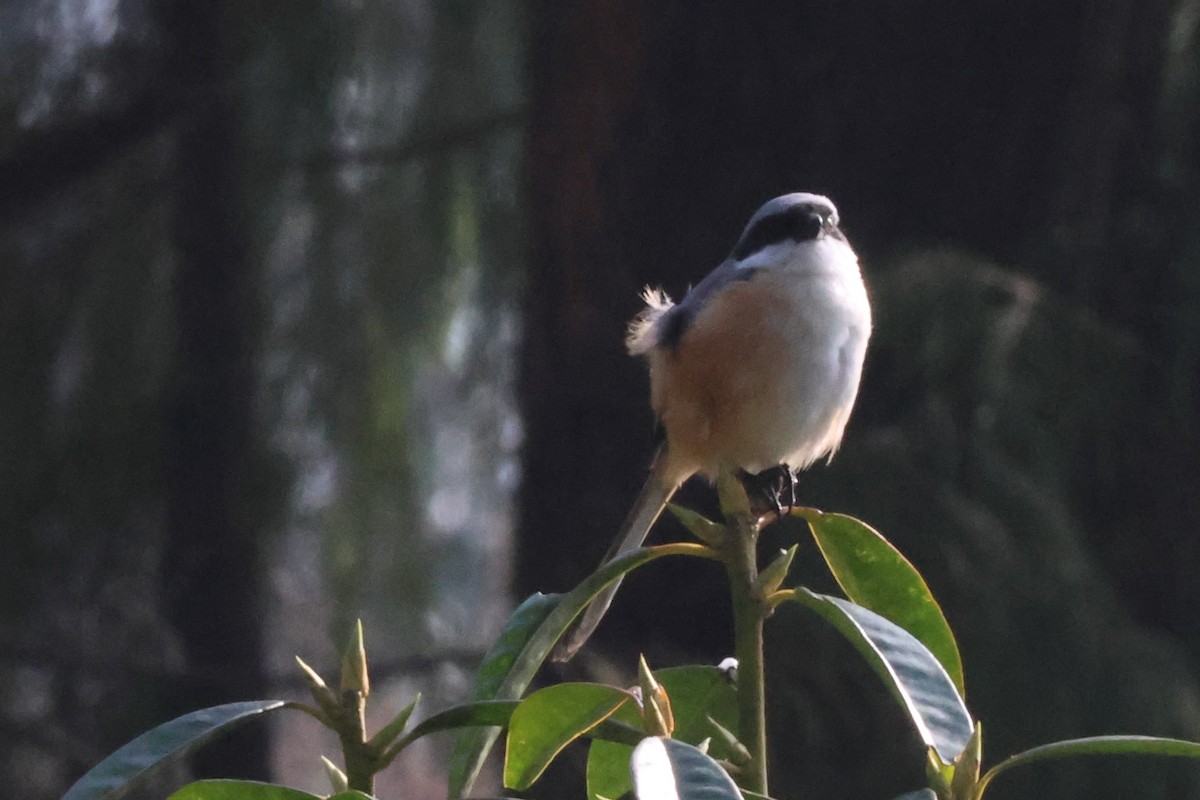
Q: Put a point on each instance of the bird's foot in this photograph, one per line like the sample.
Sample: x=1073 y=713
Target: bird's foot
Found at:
x=772 y=490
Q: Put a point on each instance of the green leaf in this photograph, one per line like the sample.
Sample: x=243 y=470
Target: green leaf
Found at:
x=483 y=714
x=114 y=777
x=497 y=668
x=498 y=663
x=667 y=769
x=388 y=733
x=241 y=790
x=611 y=730
x=914 y=676
x=875 y=575
x=608 y=769
x=253 y=790
x=919 y=794
x=467 y=715
x=550 y=719
x=1095 y=746
x=527 y=639
x=697 y=693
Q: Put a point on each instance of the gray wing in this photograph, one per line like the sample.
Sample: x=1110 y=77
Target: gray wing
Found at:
x=675 y=323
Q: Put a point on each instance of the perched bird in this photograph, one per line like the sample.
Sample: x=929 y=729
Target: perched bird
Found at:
x=756 y=368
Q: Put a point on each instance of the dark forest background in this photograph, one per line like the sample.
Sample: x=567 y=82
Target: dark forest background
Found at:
x=313 y=310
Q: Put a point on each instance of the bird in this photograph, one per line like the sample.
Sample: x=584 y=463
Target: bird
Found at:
x=756 y=369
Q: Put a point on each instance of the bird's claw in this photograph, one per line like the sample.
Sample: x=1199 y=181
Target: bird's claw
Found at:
x=772 y=490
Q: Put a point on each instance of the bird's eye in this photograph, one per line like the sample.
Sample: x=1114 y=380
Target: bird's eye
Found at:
x=808 y=225
x=798 y=223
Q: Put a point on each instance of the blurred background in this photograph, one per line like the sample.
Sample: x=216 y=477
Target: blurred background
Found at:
x=313 y=310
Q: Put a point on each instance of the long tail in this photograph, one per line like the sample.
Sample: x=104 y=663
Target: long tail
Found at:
x=645 y=512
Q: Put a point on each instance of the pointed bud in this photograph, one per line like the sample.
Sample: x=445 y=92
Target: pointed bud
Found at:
x=337 y=778
x=704 y=529
x=354 y=664
x=966 y=766
x=938 y=774
x=657 y=717
x=772 y=576
x=324 y=696
x=738 y=753
x=732 y=494
x=646 y=680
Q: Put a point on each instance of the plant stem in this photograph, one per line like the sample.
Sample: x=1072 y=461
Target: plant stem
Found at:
x=360 y=767
x=749 y=611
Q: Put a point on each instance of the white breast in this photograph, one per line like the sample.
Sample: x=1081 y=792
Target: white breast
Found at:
x=826 y=333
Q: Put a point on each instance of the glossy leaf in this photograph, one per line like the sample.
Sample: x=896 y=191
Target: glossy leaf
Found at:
x=244 y=790
x=527 y=640
x=875 y=575
x=914 y=676
x=549 y=720
x=919 y=794
x=498 y=663
x=116 y=776
x=611 y=730
x=667 y=769
x=484 y=714
x=253 y=790
x=388 y=733
x=472 y=747
x=696 y=693
x=608 y=769
x=1095 y=746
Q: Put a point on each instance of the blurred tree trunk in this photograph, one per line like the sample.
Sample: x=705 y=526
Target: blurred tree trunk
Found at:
x=212 y=572
x=579 y=390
